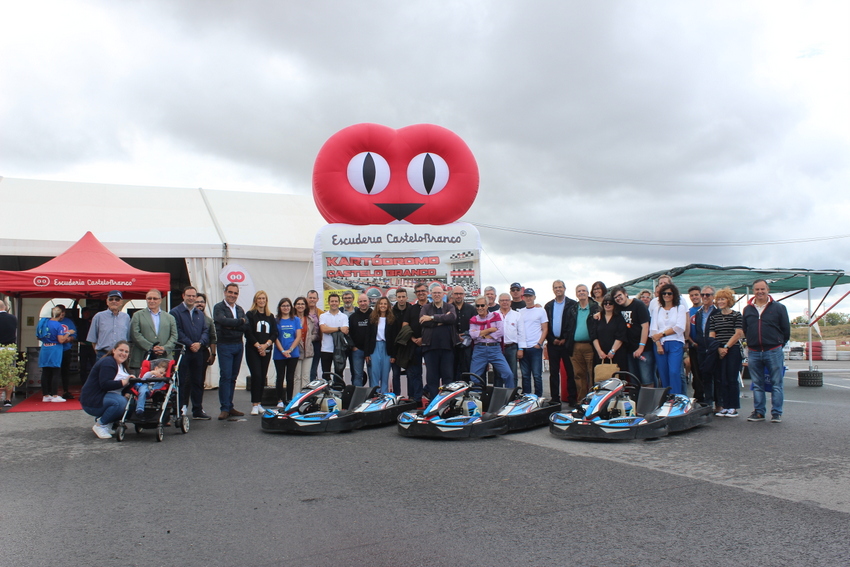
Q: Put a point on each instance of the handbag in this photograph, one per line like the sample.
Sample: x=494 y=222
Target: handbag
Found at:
x=605 y=370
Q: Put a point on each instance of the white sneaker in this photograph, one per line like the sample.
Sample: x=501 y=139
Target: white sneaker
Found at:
x=281 y=405
x=101 y=431
x=47 y=398
x=721 y=413
x=731 y=413
x=58 y=399
x=255 y=410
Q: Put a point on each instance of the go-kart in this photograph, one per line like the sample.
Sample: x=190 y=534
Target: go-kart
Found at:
x=465 y=409
x=318 y=408
x=619 y=408
x=614 y=409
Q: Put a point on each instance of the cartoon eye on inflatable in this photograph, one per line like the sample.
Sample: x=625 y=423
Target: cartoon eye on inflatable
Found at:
x=427 y=174
x=368 y=173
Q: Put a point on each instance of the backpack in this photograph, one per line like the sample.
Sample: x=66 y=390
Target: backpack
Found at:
x=42 y=331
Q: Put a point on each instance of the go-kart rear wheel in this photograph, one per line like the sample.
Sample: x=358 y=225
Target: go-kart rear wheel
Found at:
x=184 y=424
x=120 y=429
x=160 y=433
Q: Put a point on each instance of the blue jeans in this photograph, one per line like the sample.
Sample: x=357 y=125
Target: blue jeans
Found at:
x=774 y=362
x=358 y=359
x=510 y=357
x=379 y=373
x=111 y=410
x=644 y=369
x=670 y=366
x=314 y=366
x=229 y=363
x=439 y=368
x=532 y=366
x=482 y=355
x=414 y=375
x=144 y=393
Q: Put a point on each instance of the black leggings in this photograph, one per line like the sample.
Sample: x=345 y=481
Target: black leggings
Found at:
x=258 y=367
x=285 y=367
x=48 y=380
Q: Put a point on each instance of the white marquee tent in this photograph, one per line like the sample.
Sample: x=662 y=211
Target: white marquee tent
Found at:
x=269 y=234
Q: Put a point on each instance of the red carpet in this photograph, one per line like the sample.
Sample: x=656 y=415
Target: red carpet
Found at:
x=34 y=403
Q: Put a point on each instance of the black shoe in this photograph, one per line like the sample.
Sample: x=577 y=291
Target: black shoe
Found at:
x=68 y=396
x=755 y=416
x=140 y=415
x=555 y=400
x=200 y=415
x=8 y=403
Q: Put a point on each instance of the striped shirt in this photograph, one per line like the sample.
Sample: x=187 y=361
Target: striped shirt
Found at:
x=724 y=326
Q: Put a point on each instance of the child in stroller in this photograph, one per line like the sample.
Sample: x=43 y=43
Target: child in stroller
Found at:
x=151 y=382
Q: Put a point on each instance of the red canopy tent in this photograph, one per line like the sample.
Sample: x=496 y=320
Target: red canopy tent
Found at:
x=86 y=269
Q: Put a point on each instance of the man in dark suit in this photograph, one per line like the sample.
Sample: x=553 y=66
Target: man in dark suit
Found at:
x=194 y=334
x=148 y=327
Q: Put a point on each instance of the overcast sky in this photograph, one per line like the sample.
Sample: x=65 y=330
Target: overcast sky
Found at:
x=665 y=121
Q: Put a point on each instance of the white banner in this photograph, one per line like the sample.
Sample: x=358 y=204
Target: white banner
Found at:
x=377 y=259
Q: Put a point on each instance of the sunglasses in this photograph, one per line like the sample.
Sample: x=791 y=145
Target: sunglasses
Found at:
x=481 y=305
x=667 y=293
x=113 y=299
x=604 y=303
x=706 y=294
x=152 y=298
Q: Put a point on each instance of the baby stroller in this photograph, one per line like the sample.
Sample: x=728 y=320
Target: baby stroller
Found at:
x=161 y=408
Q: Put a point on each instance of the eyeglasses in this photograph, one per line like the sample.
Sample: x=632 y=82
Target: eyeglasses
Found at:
x=421 y=291
x=706 y=294
x=113 y=299
x=479 y=305
x=153 y=298
x=666 y=293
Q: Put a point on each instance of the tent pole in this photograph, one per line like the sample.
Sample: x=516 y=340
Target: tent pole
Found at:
x=809 y=296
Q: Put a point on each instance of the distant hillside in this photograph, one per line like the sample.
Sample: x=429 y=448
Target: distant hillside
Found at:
x=832 y=333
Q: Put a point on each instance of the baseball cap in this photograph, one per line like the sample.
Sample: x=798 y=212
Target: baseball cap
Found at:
x=516 y=285
x=115 y=293
x=528 y=291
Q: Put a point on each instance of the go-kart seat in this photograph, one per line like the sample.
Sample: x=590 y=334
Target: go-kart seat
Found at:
x=650 y=399
x=353 y=396
x=494 y=398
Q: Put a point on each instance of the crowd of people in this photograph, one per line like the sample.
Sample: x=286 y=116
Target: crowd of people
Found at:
x=657 y=336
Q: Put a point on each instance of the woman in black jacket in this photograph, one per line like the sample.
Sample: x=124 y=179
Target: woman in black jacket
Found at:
x=101 y=395
x=608 y=335
x=259 y=340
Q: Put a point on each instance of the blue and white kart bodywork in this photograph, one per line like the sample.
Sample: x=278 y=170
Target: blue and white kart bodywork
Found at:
x=683 y=413
x=523 y=411
x=621 y=409
x=608 y=412
x=315 y=409
x=318 y=408
x=456 y=412
x=461 y=410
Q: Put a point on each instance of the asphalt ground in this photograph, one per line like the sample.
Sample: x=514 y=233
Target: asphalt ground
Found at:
x=226 y=493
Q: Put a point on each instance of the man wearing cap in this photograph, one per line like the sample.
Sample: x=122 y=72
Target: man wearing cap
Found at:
x=534 y=327
x=110 y=326
x=151 y=329
x=517 y=301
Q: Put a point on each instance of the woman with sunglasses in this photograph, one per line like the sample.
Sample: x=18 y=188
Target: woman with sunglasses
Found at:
x=259 y=340
x=486 y=329
x=380 y=344
x=608 y=335
x=286 y=350
x=667 y=329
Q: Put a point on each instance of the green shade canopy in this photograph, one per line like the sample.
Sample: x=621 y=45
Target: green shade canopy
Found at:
x=740 y=278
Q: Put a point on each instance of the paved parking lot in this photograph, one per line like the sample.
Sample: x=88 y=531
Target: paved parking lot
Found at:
x=731 y=493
